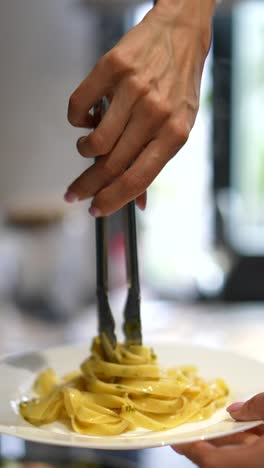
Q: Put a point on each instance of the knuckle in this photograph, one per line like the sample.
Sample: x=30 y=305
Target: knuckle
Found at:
x=179 y=130
x=97 y=143
x=118 y=60
x=139 y=86
x=165 y=110
x=156 y=106
x=73 y=108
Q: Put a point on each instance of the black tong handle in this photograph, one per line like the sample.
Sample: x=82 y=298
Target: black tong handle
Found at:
x=132 y=322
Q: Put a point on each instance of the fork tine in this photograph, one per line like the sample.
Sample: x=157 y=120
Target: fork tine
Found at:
x=132 y=323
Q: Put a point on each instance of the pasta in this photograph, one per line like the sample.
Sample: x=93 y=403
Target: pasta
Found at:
x=109 y=398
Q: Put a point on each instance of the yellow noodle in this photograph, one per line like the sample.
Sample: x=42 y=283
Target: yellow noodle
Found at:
x=109 y=398
x=45 y=382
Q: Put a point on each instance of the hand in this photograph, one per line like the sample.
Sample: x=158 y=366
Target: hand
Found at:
x=152 y=79
x=243 y=450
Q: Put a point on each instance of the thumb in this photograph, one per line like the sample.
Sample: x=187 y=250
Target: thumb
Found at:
x=252 y=409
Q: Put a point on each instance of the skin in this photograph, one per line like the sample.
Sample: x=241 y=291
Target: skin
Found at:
x=152 y=79
x=244 y=450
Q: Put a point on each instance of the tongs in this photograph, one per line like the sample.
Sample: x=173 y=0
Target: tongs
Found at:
x=132 y=321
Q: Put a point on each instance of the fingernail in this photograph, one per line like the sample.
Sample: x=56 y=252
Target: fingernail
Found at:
x=70 y=197
x=95 y=212
x=235 y=407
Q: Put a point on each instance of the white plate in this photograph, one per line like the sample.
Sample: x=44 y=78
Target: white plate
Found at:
x=17 y=373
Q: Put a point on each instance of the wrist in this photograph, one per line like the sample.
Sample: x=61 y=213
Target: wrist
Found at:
x=202 y=3
x=191 y=19
x=191 y=10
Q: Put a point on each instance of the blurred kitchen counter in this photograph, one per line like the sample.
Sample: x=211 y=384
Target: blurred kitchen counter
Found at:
x=237 y=327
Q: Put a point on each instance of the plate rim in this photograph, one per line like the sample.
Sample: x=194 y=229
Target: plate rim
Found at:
x=133 y=446
x=92 y=442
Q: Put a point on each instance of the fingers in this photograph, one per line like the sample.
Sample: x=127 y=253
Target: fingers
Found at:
x=242 y=438
x=206 y=455
x=88 y=121
x=105 y=137
x=139 y=130
x=196 y=452
x=144 y=170
x=108 y=71
x=259 y=430
x=84 y=97
x=108 y=180
x=252 y=409
x=93 y=87
x=107 y=169
x=142 y=201
x=132 y=183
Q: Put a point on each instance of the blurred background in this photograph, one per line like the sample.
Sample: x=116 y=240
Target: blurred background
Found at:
x=201 y=239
